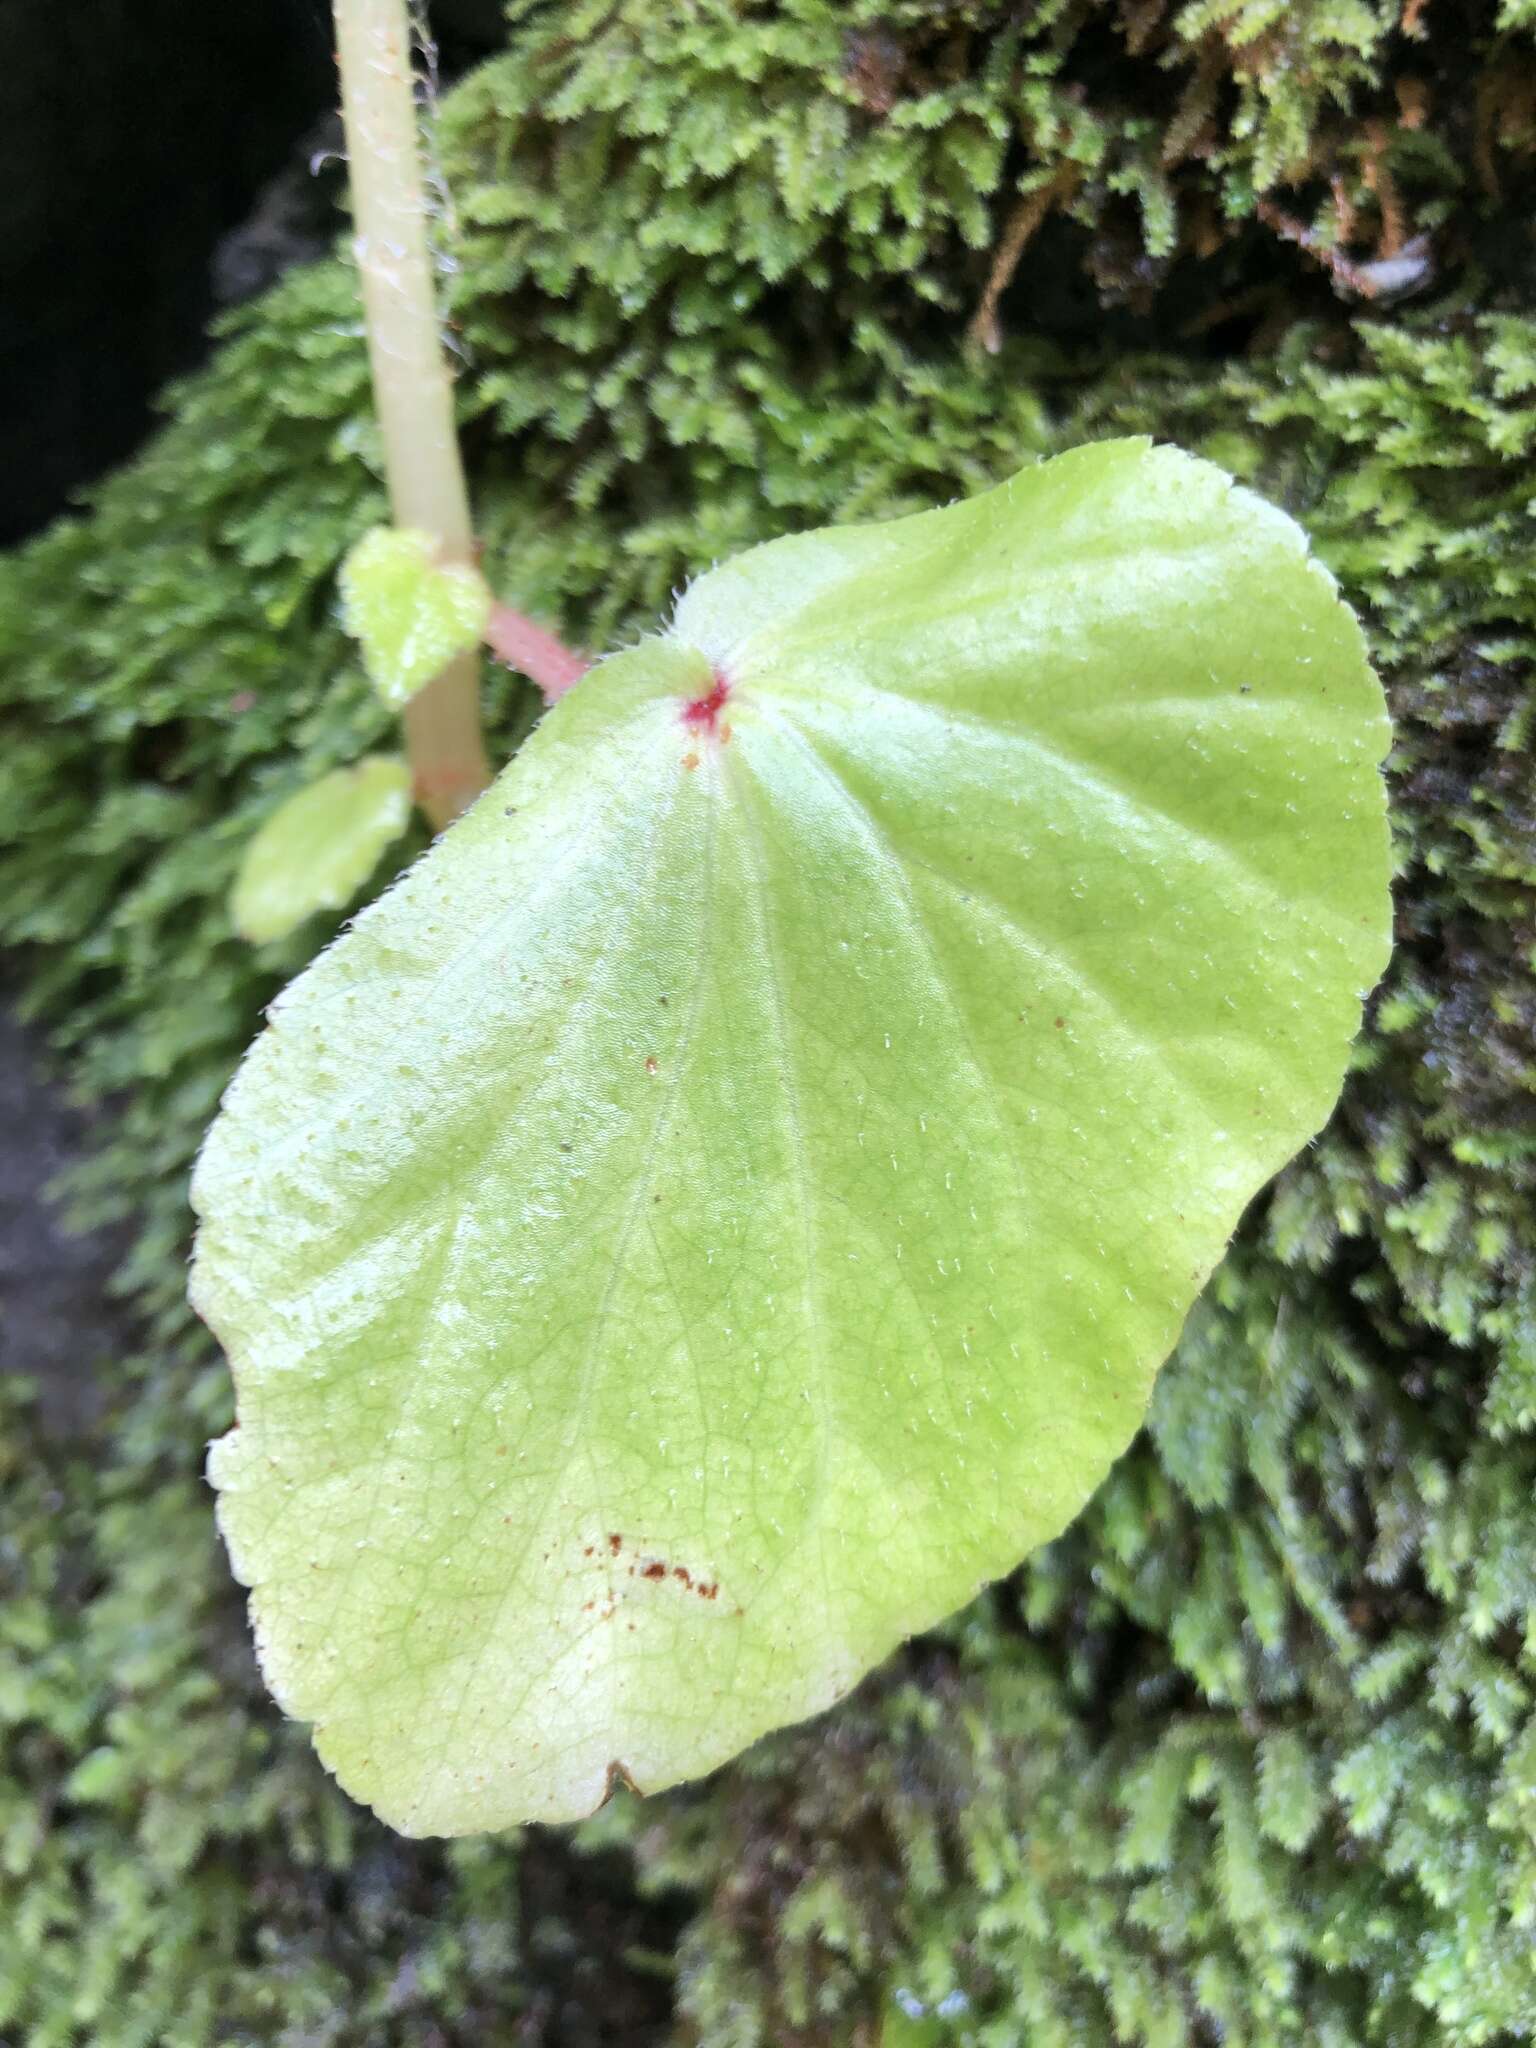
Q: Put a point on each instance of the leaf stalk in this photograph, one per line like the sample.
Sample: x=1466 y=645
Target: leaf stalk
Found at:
x=514 y=638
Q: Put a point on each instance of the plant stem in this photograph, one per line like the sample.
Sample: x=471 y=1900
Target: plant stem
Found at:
x=411 y=388
x=513 y=638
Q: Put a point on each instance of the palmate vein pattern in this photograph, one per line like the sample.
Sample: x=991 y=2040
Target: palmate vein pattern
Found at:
x=731 y=1198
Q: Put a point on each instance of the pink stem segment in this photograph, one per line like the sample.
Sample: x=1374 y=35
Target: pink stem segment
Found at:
x=522 y=645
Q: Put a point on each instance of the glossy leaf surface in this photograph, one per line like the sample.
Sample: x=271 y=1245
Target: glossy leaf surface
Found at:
x=409 y=612
x=316 y=850
x=730 y=1200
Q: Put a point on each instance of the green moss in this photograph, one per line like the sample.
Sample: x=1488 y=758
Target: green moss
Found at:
x=1250 y=1753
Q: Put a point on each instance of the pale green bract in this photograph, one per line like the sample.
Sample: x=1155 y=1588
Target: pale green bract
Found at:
x=319 y=847
x=730 y=1200
x=409 y=612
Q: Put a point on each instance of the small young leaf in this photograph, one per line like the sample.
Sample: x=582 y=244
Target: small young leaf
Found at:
x=731 y=1198
x=409 y=612
x=316 y=850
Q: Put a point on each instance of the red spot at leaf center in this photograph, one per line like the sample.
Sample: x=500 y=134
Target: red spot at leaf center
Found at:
x=702 y=714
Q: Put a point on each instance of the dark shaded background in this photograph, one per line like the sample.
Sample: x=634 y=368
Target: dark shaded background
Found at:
x=136 y=138
x=154 y=167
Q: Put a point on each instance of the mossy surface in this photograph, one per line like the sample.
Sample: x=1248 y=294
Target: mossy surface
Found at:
x=1249 y=1755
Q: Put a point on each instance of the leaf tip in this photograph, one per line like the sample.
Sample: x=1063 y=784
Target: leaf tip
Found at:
x=619 y=1779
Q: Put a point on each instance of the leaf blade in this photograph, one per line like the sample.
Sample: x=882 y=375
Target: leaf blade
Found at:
x=781 y=1136
x=410 y=612
x=318 y=847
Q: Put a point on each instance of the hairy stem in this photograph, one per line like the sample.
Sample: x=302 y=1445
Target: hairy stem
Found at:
x=411 y=388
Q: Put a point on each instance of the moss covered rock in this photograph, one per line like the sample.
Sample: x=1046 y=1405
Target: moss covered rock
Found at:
x=1250 y=1753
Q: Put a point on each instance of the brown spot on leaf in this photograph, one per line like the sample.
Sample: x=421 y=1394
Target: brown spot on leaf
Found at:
x=659 y=1569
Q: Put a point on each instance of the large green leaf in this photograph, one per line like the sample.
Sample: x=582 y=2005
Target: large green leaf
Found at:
x=731 y=1199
